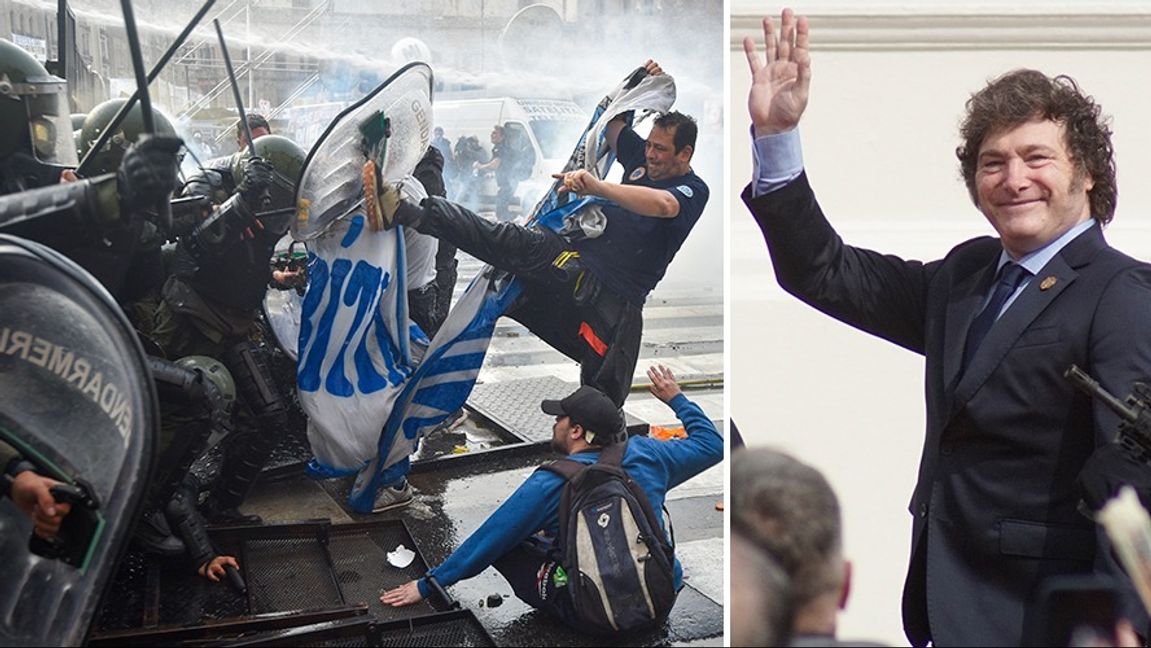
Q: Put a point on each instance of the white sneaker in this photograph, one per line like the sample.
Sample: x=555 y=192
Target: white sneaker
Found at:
x=393 y=497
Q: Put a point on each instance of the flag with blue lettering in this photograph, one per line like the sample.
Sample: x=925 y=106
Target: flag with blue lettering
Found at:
x=353 y=360
x=356 y=343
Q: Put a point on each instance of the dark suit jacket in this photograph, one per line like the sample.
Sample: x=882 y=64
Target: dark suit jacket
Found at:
x=995 y=504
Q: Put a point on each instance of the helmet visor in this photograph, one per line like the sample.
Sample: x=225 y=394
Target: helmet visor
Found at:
x=50 y=125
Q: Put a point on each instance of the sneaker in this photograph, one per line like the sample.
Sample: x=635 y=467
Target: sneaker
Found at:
x=456 y=419
x=393 y=497
x=154 y=536
x=453 y=421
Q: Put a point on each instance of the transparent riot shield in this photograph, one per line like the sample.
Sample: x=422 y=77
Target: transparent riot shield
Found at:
x=391 y=126
x=77 y=401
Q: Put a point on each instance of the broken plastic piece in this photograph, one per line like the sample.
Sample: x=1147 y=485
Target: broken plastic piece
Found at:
x=401 y=557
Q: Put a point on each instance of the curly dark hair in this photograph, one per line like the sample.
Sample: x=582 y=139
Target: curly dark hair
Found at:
x=1021 y=96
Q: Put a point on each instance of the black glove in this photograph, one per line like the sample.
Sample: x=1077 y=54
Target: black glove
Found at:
x=147 y=175
x=182 y=261
x=257 y=183
x=1106 y=470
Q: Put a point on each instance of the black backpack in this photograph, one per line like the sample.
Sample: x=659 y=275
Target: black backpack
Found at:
x=619 y=565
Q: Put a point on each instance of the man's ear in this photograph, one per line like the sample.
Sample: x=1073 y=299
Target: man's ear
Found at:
x=577 y=431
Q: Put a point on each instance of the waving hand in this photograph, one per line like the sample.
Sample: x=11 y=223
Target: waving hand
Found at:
x=780 y=81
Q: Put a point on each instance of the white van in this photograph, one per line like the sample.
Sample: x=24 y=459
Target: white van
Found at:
x=550 y=126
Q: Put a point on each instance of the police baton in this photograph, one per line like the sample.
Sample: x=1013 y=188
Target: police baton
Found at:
x=164 y=208
x=235 y=88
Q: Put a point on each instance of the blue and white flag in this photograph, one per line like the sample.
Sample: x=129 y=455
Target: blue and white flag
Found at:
x=356 y=343
x=352 y=362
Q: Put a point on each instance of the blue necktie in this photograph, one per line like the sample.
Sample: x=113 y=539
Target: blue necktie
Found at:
x=1010 y=276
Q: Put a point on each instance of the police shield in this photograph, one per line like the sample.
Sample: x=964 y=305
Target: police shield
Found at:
x=391 y=126
x=77 y=401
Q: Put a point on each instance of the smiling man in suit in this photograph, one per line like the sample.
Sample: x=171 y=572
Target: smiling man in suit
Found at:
x=1011 y=449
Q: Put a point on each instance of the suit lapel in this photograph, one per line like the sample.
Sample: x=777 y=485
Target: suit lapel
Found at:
x=1045 y=287
x=969 y=295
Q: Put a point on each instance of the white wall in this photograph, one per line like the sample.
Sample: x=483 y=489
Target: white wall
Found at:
x=879 y=135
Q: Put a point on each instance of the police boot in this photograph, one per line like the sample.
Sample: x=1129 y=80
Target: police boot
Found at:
x=183 y=518
x=244 y=459
x=237 y=474
x=154 y=536
x=246 y=455
x=384 y=203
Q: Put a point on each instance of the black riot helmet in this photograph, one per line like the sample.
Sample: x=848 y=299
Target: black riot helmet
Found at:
x=35 y=122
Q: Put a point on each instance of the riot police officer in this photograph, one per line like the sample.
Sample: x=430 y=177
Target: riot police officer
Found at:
x=93 y=221
x=220 y=274
x=138 y=289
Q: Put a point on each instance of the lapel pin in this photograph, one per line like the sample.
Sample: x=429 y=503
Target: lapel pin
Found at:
x=1047 y=283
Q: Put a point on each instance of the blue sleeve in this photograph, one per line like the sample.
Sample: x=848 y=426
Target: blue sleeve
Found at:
x=532 y=507
x=778 y=159
x=630 y=149
x=703 y=447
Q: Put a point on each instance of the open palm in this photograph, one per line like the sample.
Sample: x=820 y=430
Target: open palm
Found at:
x=781 y=80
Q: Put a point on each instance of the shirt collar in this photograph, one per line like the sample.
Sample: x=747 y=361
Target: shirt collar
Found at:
x=1034 y=261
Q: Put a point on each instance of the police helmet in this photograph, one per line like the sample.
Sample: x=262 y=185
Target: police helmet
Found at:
x=34 y=117
x=215 y=371
x=108 y=158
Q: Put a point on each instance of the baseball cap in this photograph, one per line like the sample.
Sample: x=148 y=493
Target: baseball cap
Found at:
x=592 y=409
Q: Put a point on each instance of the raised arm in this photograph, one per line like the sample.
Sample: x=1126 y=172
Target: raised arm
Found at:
x=616 y=126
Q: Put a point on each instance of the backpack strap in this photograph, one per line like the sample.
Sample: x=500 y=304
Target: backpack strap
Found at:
x=612 y=455
x=566 y=468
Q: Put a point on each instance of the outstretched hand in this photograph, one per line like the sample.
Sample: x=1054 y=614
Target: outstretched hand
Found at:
x=781 y=81
x=406 y=594
x=663 y=384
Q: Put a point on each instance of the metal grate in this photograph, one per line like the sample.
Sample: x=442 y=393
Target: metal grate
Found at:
x=359 y=559
x=289 y=574
x=125 y=603
x=514 y=405
x=457 y=628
